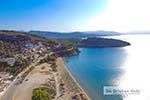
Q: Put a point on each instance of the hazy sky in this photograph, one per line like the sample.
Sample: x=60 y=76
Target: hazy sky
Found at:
x=75 y=15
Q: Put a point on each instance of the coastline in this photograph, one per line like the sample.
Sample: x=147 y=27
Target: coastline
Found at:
x=70 y=80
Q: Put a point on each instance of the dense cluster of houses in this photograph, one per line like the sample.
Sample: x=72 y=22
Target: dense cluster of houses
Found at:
x=29 y=50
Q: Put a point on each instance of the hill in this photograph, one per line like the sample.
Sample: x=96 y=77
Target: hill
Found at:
x=102 y=42
x=63 y=35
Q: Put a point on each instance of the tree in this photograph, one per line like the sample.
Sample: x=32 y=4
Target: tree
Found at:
x=40 y=94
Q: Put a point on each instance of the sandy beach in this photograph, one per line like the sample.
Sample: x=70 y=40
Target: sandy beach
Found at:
x=71 y=90
x=70 y=82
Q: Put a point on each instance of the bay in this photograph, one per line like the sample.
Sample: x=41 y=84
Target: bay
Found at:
x=124 y=67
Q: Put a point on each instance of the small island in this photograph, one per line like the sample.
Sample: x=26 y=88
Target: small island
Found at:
x=102 y=43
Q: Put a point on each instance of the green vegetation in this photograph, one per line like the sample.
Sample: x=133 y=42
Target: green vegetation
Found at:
x=41 y=94
x=17 y=67
x=54 y=67
x=3 y=65
x=51 y=43
x=71 y=42
x=49 y=58
x=102 y=43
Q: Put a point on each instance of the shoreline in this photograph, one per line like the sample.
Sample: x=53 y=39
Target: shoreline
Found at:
x=60 y=63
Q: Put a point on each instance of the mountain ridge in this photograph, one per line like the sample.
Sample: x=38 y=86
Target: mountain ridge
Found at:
x=76 y=34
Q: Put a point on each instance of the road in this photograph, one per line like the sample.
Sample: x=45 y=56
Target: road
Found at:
x=57 y=86
x=9 y=93
x=35 y=79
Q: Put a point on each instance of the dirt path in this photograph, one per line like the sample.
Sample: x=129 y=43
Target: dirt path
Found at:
x=57 y=86
x=12 y=88
x=39 y=75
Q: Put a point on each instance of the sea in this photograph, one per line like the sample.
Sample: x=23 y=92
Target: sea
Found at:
x=121 y=73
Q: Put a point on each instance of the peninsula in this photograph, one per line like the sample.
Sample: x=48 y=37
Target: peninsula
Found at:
x=102 y=43
x=91 y=39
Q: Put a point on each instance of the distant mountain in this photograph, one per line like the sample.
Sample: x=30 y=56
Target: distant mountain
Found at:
x=103 y=33
x=73 y=34
x=138 y=32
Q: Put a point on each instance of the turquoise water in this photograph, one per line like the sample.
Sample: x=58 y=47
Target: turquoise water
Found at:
x=126 y=67
x=95 y=68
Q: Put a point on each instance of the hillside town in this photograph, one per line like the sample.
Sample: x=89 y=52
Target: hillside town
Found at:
x=25 y=57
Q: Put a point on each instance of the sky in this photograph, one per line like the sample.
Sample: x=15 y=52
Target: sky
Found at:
x=75 y=15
